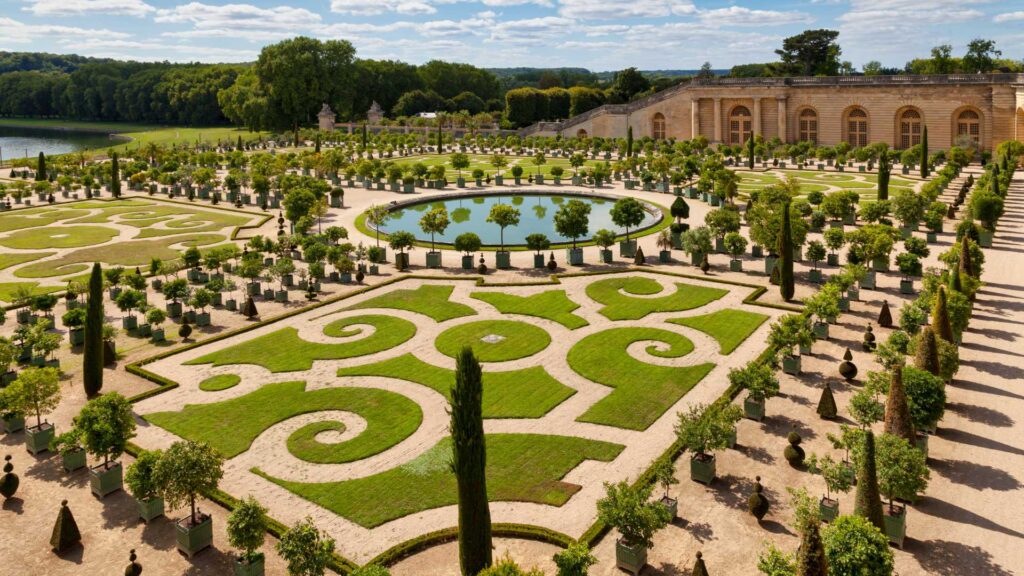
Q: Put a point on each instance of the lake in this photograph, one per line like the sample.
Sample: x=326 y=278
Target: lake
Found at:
x=28 y=142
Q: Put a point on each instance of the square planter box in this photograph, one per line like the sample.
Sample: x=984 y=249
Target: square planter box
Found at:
x=828 y=509
x=268 y=294
x=103 y=481
x=932 y=237
x=753 y=409
x=76 y=336
x=814 y=276
x=402 y=260
x=769 y=264
x=880 y=264
x=630 y=558
x=791 y=364
x=129 y=322
x=695 y=258
x=190 y=316
x=503 y=260
x=664 y=256
x=605 y=256
x=173 y=309
x=433 y=259
x=538 y=261
x=145 y=330
x=736 y=265
x=868 y=282
x=627 y=249
x=757 y=251
x=281 y=296
x=703 y=470
x=253 y=289
x=254 y=568
x=150 y=509
x=670 y=504
x=37 y=439
x=73 y=460
x=832 y=259
x=820 y=330
x=192 y=539
x=203 y=319
x=12 y=424
x=720 y=245
x=158 y=335
x=574 y=256
x=906 y=286
x=895 y=524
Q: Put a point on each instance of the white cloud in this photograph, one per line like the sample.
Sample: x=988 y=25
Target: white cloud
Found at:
x=85 y=7
x=740 y=16
x=373 y=7
x=15 y=32
x=238 y=17
x=530 y=31
x=1009 y=17
x=868 y=17
x=619 y=9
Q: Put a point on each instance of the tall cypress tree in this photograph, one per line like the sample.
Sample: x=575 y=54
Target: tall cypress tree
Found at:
x=316 y=143
x=469 y=461
x=940 y=316
x=440 y=138
x=629 y=142
x=115 y=176
x=41 y=168
x=955 y=282
x=966 y=266
x=810 y=560
x=924 y=152
x=884 y=169
x=750 y=153
x=868 y=502
x=363 y=137
x=995 y=178
x=787 y=286
x=92 y=368
x=897 y=410
x=926 y=356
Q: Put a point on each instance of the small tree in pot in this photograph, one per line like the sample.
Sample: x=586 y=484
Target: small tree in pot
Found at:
x=824 y=307
x=106 y=424
x=307 y=551
x=665 y=475
x=186 y=470
x=69 y=446
x=703 y=429
x=604 y=239
x=504 y=215
x=815 y=253
x=435 y=221
x=467 y=243
x=140 y=480
x=401 y=241
x=629 y=510
x=247 y=527
x=628 y=213
x=35 y=392
x=902 y=473
x=538 y=243
x=837 y=479
x=735 y=245
x=572 y=220
x=759 y=381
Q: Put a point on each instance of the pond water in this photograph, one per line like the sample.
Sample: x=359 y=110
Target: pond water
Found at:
x=537 y=210
x=28 y=142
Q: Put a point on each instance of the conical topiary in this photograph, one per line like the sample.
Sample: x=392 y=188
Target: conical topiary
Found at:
x=704 y=264
x=940 y=316
x=775 y=278
x=966 y=266
x=638 y=258
x=827 y=403
x=897 y=410
x=758 y=503
x=955 y=281
x=885 y=316
x=869 y=339
x=65 y=530
x=249 y=308
x=847 y=368
x=793 y=453
x=699 y=569
x=868 y=502
x=810 y=558
x=926 y=357
x=9 y=483
x=133 y=568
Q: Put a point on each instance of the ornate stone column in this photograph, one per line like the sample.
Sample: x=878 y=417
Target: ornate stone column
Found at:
x=694 y=117
x=757 y=115
x=718 y=119
x=781 y=100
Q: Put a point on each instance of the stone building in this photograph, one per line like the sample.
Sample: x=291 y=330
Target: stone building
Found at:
x=325 y=118
x=983 y=109
x=375 y=114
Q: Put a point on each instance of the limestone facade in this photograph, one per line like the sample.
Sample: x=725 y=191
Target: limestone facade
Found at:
x=983 y=109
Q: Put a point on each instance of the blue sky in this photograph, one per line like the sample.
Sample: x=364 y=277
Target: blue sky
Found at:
x=596 y=34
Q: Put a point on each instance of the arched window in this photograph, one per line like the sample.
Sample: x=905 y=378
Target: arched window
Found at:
x=857 y=127
x=658 y=126
x=910 y=129
x=808 y=126
x=968 y=127
x=740 y=123
x=581 y=133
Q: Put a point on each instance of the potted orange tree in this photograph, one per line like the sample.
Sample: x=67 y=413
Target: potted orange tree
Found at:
x=106 y=424
x=36 y=391
x=247 y=526
x=703 y=429
x=186 y=470
x=629 y=509
x=140 y=479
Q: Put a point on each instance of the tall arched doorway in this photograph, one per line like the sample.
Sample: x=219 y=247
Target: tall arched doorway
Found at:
x=910 y=128
x=808 y=126
x=968 y=129
x=658 y=126
x=857 y=127
x=740 y=125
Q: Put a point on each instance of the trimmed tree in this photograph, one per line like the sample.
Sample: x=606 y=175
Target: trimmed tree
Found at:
x=187 y=470
x=868 y=503
x=897 y=411
x=469 y=461
x=884 y=169
x=902 y=470
x=65 y=530
x=92 y=357
x=106 y=424
x=926 y=357
x=810 y=558
x=924 y=152
x=966 y=266
x=115 y=176
x=307 y=552
x=247 y=526
x=41 y=168
x=854 y=547
x=787 y=286
x=885 y=315
x=940 y=316
x=827 y=403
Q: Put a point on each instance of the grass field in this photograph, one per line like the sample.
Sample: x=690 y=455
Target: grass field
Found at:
x=284 y=351
x=865 y=184
x=520 y=468
x=430 y=300
x=219 y=382
x=553 y=305
x=8 y=260
x=303 y=443
x=728 y=327
x=642 y=391
x=527 y=393
x=9 y=290
x=232 y=425
x=493 y=340
x=58 y=237
x=612 y=292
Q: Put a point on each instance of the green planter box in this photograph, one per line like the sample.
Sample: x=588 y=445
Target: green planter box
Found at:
x=868 y=282
x=719 y=245
x=895 y=524
x=906 y=286
x=828 y=509
x=670 y=504
x=664 y=256
x=254 y=568
x=791 y=364
x=173 y=309
x=820 y=330
x=769 y=264
x=145 y=330
x=190 y=316
x=538 y=261
x=192 y=539
x=695 y=258
x=37 y=439
x=757 y=251
x=129 y=322
x=574 y=256
x=12 y=424
x=150 y=509
x=880 y=264
x=158 y=335
x=627 y=249
x=932 y=237
x=814 y=276
x=76 y=336
x=736 y=265
x=103 y=481
x=503 y=260
x=203 y=319
x=703 y=470
x=401 y=260
x=73 y=460
x=630 y=558
x=280 y=296
x=853 y=294
x=753 y=409
x=467 y=261
x=832 y=259
x=433 y=259
x=605 y=256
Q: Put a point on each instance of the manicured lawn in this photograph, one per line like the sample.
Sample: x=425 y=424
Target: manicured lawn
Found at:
x=36 y=217
x=11 y=259
x=527 y=393
x=232 y=425
x=642 y=392
x=510 y=340
x=131 y=253
x=729 y=327
x=144 y=215
x=284 y=351
x=219 y=382
x=9 y=290
x=553 y=305
x=142 y=134
x=58 y=237
x=520 y=468
x=303 y=443
x=619 y=306
x=430 y=300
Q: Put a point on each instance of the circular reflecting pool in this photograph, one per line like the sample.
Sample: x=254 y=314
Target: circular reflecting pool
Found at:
x=468 y=213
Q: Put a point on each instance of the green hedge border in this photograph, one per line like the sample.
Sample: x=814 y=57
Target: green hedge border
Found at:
x=404 y=549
